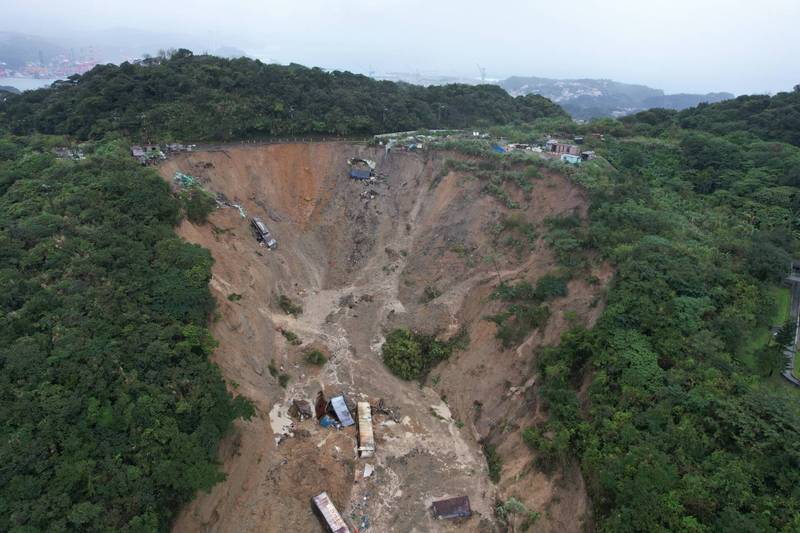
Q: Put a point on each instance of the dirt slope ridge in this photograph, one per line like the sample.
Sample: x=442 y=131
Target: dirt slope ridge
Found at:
x=358 y=266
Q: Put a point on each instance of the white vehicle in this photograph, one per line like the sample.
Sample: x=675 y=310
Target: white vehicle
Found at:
x=262 y=233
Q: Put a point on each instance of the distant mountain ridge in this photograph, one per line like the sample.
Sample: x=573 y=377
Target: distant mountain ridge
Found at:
x=17 y=49
x=590 y=98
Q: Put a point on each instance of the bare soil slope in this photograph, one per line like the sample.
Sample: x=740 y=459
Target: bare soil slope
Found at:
x=358 y=256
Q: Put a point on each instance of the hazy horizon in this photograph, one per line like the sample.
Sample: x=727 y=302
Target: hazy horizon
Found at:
x=677 y=46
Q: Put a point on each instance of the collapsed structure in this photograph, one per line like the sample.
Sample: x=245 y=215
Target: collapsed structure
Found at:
x=148 y=154
x=301 y=409
x=361 y=169
x=333 y=412
x=152 y=154
x=457 y=507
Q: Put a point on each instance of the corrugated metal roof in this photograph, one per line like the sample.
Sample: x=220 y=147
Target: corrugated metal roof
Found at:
x=341 y=410
x=366 y=439
x=332 y=518
x=457 y=507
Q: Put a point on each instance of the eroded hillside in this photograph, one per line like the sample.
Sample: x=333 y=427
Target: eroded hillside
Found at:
x=422 y=247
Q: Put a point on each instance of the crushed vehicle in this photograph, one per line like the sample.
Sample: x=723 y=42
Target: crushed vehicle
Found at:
x=262 y=233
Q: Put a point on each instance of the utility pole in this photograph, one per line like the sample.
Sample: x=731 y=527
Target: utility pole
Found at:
x=482 y=70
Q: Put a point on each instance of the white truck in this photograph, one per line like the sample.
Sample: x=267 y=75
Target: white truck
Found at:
x=262 y=233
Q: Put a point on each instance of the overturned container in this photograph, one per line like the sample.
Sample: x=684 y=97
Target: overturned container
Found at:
x=330 y=516
x=341 y=410
x=366 y=439
x=452 y=508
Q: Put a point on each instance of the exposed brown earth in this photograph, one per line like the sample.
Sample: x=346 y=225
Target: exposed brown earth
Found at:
x=359 y=266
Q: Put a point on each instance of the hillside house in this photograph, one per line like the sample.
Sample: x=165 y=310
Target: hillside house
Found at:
x=560 y=147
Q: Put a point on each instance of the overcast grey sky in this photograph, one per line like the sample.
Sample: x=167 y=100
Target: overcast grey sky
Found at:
x=742 y=46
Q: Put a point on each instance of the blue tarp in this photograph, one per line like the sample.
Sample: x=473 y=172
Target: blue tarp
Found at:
x=499 y=149
x=358 y=174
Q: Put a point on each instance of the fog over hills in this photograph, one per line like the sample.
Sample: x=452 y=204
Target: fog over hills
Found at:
x=590 y=98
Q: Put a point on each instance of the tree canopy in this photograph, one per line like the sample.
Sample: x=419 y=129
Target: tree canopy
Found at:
x=196 y=98
x=685 y=425
x=111 y=411
x=772 y=118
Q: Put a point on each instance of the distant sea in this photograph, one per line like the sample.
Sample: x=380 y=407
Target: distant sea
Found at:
x=26 y=84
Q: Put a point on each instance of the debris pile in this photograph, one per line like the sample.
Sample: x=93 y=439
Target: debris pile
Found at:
x=361 y=169
x=383 y=409
x=148 y=154
x=301 y=409
x=222 y=201
x=369 y=194
x=152 y=154
x=185 y=181
x=63 y=152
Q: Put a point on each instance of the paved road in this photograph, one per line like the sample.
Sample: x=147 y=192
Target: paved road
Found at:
x=795 y=296
x=791 y=351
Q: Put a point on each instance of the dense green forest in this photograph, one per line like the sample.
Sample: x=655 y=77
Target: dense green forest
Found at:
x=685 y=425
x=771 y=118
x=196 y=98
x=111 y=412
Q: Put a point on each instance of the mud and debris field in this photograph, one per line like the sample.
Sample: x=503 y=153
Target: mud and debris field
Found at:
x=360 y=258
